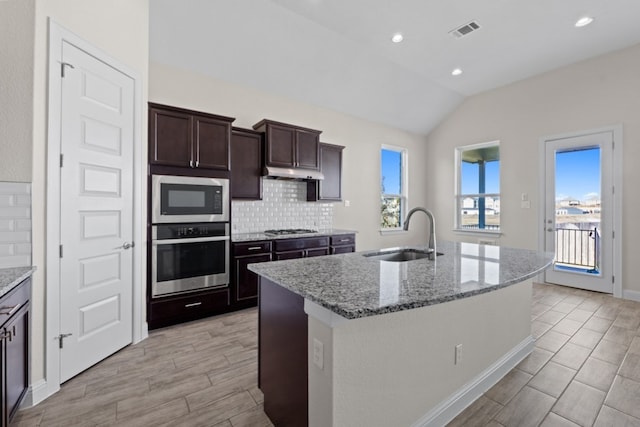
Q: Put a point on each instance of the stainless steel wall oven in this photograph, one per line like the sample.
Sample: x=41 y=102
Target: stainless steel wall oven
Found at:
x=190 y=236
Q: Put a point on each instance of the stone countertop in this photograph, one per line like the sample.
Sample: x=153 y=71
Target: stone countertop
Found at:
x=248 y=237
x=11 y=277
x=354 y=286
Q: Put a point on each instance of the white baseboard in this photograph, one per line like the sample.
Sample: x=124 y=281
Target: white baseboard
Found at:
x=448 y=409
x=631 y=295
x=37 y=392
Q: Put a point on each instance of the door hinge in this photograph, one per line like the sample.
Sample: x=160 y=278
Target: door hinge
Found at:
x=61 y=252
x=613 y=279
x=61 y=338
x=613 y=145
x=613 y=234
x=613 y=189
x=63 y=66
x=61 y=160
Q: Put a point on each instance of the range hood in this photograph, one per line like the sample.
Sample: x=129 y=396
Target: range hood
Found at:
x=291 y=173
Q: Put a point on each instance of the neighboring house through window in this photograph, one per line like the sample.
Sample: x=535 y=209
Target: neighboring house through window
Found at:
x=393 y=180
x=478 y=187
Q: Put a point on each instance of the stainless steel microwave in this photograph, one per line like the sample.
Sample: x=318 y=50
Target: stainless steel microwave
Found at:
x=181 y=199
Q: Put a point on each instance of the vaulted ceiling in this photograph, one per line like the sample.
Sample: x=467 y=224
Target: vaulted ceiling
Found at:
x=338 y=54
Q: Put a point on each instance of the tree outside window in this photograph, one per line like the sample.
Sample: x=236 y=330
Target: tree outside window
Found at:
x=393 y=173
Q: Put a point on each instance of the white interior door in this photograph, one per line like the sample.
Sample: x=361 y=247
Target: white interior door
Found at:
x=579 y=211
x=96 y=229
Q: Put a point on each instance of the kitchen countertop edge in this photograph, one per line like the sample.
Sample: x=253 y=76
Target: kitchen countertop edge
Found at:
x=12 y=277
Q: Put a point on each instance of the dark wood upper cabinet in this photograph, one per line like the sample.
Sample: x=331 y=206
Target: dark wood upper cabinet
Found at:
x=170 y=137
x=211 y=146
x=289 y=146
x=330 y=188
x=184 y=138
x=246 y=164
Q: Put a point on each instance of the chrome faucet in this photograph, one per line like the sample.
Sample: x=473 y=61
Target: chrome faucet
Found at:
x=432 y=229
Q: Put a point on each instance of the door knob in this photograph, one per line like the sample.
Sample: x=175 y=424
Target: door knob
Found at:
x=550 y=229
x=126 y=245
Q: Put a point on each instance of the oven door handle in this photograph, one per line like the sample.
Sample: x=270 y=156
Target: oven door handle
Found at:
x=192 y=240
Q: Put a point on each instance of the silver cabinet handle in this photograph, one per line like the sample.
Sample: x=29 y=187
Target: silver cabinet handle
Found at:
x=193 y=304
x=9 y=310
x=190 y=163
x=197 y=163
x=254 y=248
x=126 y=245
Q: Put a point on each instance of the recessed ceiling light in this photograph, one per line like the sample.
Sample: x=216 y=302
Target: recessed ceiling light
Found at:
x=584 y=21
x=397 y=38
x=456 y=72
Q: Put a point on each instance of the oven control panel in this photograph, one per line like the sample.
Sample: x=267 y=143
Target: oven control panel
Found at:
x=189 y=231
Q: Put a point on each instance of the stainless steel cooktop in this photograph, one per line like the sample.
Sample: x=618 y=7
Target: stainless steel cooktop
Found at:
x=286 y=231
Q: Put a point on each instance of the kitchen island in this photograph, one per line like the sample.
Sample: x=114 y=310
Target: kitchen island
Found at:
x=353 y=340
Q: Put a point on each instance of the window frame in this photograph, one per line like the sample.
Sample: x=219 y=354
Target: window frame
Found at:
x=459 y=196
x=404 y=186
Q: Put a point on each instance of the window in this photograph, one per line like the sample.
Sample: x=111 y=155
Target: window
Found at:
x=393 y=181
x=478 y=187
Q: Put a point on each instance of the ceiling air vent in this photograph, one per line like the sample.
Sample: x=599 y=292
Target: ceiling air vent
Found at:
x=465 y=29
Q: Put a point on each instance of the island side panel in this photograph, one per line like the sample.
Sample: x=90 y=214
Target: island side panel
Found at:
x=396 y=368
x=282 y=355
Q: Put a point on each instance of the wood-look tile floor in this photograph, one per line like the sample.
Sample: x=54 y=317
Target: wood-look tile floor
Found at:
x=584 y=371
x=202 y=373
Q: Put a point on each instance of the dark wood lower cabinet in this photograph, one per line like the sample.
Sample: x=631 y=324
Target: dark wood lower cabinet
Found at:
x=14 y=349
x=282 y=355
x=181 y=308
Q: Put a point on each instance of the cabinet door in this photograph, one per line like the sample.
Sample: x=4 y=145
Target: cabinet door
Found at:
x=170 y=138
x=277 y=256
x=307 y=149
x=281 y=146
x=247 y=281
x=330 y=188
x=246 y=165
x=17 y=354
x=211 y=140
x=342 y=249
x=317 y=252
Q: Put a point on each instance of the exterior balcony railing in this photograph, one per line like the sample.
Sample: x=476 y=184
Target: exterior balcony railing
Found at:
x=578 y=248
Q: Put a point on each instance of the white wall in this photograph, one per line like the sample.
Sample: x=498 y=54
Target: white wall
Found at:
x=16 y=89
x=120 y=28
x=367 y=381
x=362 y=139
x=595 y=93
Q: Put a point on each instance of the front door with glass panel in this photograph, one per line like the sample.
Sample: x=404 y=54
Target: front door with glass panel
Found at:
x=578 y=211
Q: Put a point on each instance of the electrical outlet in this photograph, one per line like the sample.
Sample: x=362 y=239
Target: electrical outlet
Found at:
x=318 y=353
x=525 y=204
x=458 y=355
x=347 y=203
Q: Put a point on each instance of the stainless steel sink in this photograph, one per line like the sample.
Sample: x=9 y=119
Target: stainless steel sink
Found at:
x=401 y=255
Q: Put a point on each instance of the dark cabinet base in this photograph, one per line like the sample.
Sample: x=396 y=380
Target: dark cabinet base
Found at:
x=182 y=308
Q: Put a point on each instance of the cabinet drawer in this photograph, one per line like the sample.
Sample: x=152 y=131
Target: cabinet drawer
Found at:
x=342 y=249
x=304 y=243
x=251 y=248
x=317 y=252
x=187 y=306
x=14 y=300
x=343 y=239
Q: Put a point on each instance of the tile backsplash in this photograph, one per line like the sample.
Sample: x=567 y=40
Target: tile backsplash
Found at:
x=283 y=205
x=15 y=224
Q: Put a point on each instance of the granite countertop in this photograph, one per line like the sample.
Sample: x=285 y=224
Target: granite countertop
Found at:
x=354 y=286
x=248 y=237
x=11 y=277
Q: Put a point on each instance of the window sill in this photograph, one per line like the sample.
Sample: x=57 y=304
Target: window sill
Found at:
x=486 y=233
x=392 y=231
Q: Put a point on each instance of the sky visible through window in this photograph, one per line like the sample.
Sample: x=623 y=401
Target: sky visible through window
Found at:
x=578 y=174
x=391 y=171
x=470 y=178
